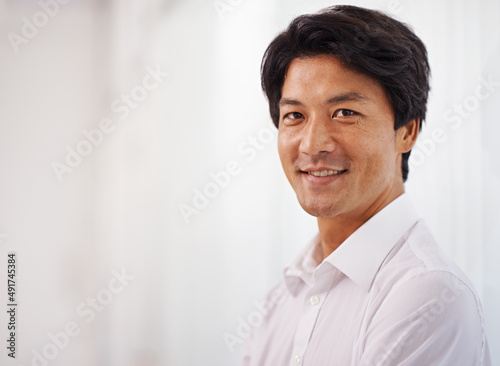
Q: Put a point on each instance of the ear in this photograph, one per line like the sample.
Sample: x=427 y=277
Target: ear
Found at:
x=406 y=136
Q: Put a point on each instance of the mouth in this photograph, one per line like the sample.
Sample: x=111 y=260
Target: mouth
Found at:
x=322 y=177
x=325 y=172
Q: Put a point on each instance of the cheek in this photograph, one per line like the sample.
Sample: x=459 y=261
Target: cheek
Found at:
x=284 y=154
x=285 y=148
x=281 y=149
x=281 y=145
x=383 y=165
x=376 y=156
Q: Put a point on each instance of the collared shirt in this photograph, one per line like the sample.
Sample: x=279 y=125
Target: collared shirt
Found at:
x=386 y=296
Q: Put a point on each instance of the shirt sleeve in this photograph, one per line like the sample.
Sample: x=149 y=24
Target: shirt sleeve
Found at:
x=246 y=357
x=433 y=318
x=255 y=347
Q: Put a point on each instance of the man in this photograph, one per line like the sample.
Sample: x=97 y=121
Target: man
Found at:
x=347 y=89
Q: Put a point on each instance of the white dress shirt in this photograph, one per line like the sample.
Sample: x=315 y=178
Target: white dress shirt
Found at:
x=386 y=296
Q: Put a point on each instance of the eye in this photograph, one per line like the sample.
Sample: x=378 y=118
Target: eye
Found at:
x=293 y=118
x=344 y=113
x=294 y=115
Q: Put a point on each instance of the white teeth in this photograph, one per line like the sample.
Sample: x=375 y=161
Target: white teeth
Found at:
x=324 y=173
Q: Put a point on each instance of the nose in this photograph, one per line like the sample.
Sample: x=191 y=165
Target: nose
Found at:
x=317 y=137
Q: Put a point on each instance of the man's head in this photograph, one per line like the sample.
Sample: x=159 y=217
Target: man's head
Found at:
x=347 y=88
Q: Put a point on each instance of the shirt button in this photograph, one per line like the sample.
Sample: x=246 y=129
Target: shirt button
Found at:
x=297 y=359
x=314 y=300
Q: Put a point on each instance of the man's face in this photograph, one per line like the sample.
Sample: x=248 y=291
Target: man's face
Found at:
x=336 y=139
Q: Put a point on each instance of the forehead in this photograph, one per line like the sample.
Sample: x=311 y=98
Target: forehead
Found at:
x=324 y=77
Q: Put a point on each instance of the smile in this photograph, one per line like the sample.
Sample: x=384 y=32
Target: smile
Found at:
x=325 y=173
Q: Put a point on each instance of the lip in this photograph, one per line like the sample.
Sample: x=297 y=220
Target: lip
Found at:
x=318 y=168
x=321 y=181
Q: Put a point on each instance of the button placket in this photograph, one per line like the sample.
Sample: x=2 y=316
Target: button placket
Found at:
x=314 y=300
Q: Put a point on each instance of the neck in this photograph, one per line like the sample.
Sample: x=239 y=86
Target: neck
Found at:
x=335 y=230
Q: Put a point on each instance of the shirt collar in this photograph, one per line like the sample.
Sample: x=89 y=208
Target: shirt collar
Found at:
x=301 y=269
x=360 y=256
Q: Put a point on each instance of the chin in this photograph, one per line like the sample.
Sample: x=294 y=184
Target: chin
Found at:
x=320 y=209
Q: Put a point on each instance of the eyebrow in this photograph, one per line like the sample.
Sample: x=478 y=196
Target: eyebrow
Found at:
x=336 y=99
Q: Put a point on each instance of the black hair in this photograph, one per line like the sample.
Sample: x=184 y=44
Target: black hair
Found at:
x=367 y=41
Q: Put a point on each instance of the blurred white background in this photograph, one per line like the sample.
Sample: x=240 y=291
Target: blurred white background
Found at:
x=197 y=274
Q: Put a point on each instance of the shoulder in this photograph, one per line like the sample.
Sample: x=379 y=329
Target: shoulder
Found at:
x=419 y=273
x=419 y=261
x=426 y=302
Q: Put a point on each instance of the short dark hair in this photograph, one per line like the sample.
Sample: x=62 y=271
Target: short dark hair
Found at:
x=367 y=41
